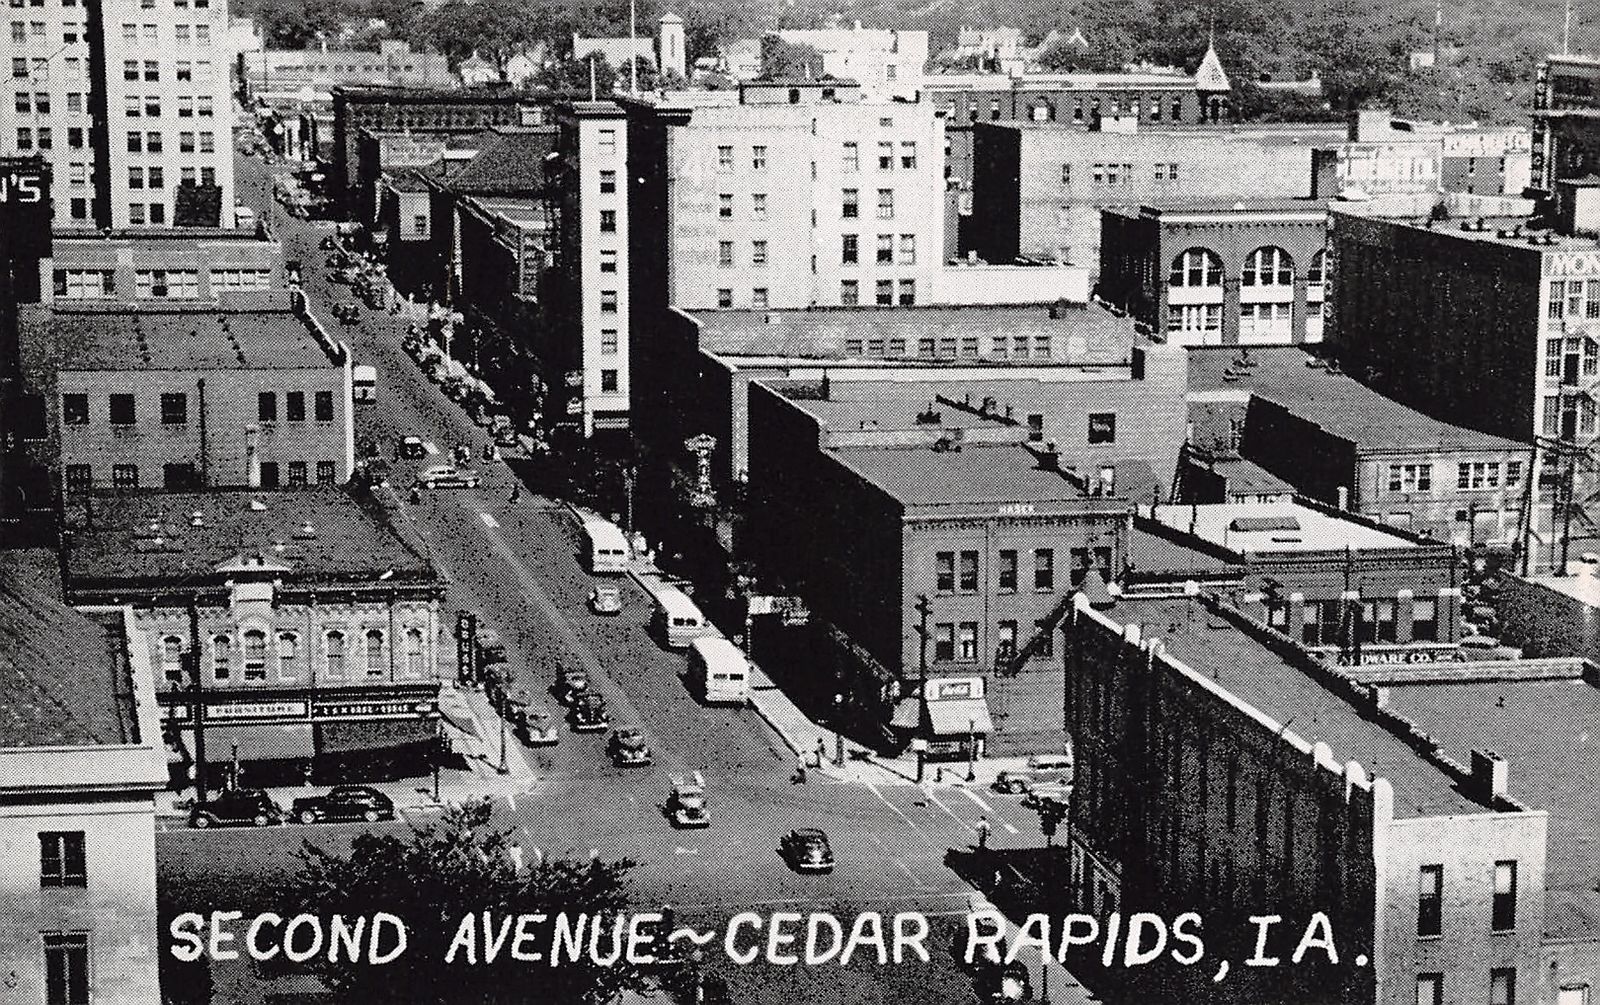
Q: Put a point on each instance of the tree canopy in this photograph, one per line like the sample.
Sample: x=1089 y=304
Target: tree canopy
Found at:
x=435 y=877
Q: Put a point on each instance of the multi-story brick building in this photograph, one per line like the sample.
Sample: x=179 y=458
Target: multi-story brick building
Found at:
x=1038 y=188
x=1565 y=98
x=394 y=64
x=189 y=396
x=172 y=264
x=1498 y=332
x=1338 y=441
x=1219 y=767
x=81 y=758
x=1249 y=272
x=131 y=104
x=315 y=615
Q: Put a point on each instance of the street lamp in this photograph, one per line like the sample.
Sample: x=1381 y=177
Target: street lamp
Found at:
x=972 y=750
x=503 y=768
x=838 y=737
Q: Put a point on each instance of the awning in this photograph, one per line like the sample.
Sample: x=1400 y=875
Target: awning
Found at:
x=377 y=734
x=907 y=713
x=459 y=717
x=256 y=743
x=959 y=716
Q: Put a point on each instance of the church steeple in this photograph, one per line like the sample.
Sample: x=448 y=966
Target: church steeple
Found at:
x=1210 y=77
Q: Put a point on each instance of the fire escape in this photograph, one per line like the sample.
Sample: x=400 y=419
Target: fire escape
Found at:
x=1571 y=459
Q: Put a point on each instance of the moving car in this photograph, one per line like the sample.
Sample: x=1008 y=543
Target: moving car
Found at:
x=347 y=312
x=411 y=448
x=1041 y=769
x=539 y=730
x=686 y=807
x=628 y=749
x=571 y=685
x=345 y=802
x=807 y=850
x=443 y=476
x=237 y=806
x=605 y=600
x=1050 y=793
x=589 y=714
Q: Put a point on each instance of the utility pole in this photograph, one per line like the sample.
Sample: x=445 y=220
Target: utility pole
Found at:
x=197 y=687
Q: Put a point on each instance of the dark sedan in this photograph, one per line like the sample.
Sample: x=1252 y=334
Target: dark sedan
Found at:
x=344 y=803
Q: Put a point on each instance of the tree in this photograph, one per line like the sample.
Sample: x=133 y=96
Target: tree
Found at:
x=782 y=60
x=571 y=76
x=497 y=30
x=294 y=24
x=442 y=873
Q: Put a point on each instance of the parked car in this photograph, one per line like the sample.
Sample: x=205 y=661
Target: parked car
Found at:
x=1047 y=793
x=410 y=448
x=589 y=714
x=605 y=600
x=571 y=685
x=237 y=806
x=345 y=802
x=443 y=476
x=628 y=749
x=539 y=729
x=347 y=313
x=807 y=850
x=1040 y=769
x=686 y=807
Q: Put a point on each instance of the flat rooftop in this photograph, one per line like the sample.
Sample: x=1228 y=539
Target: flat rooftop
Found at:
x=64 y=676
x=1549 y=732
x=1224 y=206
x=989 y=475
x=1090 y=334
x=1267 y=135
x=1340 y=404
x=1277 y=527
x=1241 y=664
x=1507 y=231
x=165 y=336
x=148 y=537
x=1583 y=587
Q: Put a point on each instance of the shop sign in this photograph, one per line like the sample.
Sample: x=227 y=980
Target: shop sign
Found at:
x=1575 y=263
x=1395 y=657
x=370 y=709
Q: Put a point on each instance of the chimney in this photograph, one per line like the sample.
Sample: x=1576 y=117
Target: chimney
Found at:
x=1490 y=774
x=307 y=531
x=1344 y=497
x=1050 y=457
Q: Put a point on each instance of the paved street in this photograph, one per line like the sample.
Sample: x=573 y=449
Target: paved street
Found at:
x=517 y=565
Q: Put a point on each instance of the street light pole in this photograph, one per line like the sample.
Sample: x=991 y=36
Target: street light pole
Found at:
x=503 y=768
x=838 y=737
x=972 y=750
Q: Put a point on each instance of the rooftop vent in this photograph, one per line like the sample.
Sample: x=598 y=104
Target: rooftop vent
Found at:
x=1491 y=774
x=1050 y=457
x=257 y=506
x=1258 y=524
x=1315 y=363
x=306 y=532
x=197 y=519
x=929 y=417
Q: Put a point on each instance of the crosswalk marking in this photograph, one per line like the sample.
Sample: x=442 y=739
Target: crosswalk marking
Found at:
x=985 y=807
x=1009 y=829
x=430 y=448
x=488 y=519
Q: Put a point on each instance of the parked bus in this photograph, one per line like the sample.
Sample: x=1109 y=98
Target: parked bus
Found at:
x=719 y=670
x=677 y=621
x=608 y=548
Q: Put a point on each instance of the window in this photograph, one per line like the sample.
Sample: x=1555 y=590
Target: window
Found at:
x=1316 y=275
x=1196 y=267
x=908 y=249
x=967 y=636
x=1044 y=632
x=849 y=252
x=186 y=143
x=1007 y=575
x=414 y=655
x=886 y=204
x=184 y=70
x=852 y=157
x=608 y=260
x=24 y=138
x=61 y=859
x=269 y=474
x=725 y=206
x=152 y=143
x=1044 y=569
x=608 y=341
x=66 y=968
x=322 y=403
x=1102 y=427
x=758 y=298
x=1430 y=899
x=608 y=221
x=758 y=252
x=849 y=292
x=1268 y=267
x=908 y=297
x=1410 y=477
x=157 y=177
x=174 y=409
x=135 y=142
x=908 y=154
x=267 y=406
x=1478 y=475
x=1504 y=911
x=885 y=249
x=885 y=155
x=374 y=652
x=255 y=655
x=419 y=223
x=851 y=204
x=80 y=478
x=945 y=571
x=608 y=301
x=944 y=641
x=725 y=254
x=325 y=473
x=1005 y=640
x=608 y=182
x=1503 y=986
x=221 y=657
x=724 y=298
x=125 y=476
x=725 y=158
x=1430 y=989
x=885 y=292
x=294 y=406
x=333 y=653
x=758 y=157
x=608 y=381
x=758 y=205
x=969 y=572
x=75 y=409
x=122 y=410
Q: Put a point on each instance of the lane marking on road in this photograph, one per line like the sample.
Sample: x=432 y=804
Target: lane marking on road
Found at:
x=985 y=807
x=429 y=446
x=907 y=870
x=901 y=814
x=681 y=850
x=1009 y=829
x=935 y=800
x=511 y=802
x=488 y=519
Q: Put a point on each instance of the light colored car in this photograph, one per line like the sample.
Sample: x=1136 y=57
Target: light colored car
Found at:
x=540 y=729
x=443 y=476
x=1041 y=770
x=605 y=600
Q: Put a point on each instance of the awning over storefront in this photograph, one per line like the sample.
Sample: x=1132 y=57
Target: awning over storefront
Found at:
x=957 y=717
x=256 y=743
x=378 y=734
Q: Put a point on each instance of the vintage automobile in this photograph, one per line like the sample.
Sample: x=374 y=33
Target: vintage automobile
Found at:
x=628 y=749
x=410 y=448
x=344 y=802
x=571 y=685
x=686 y=806
x=237 y=806
x=443 y=476
x=539 y=730
x=589 y=714
x=806 y=849
x=605 y=600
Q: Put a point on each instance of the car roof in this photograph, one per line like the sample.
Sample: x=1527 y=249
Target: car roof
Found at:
x=809 y=832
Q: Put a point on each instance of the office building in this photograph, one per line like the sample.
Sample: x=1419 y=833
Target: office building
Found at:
x=1565 y=142
x=81 y=760
x=1248 y=272
x=887 y=63
x=394 y=64
x=132 y=106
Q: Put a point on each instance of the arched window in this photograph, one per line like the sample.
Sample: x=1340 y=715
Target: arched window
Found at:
x=288 y=656
x=333 y=649
x=255 y=655
x=172 y=659
x=414 y=664
x=1268 y=266
x=1317 y=274
x=374 y=649
x=1196 y=267
x=221 y=657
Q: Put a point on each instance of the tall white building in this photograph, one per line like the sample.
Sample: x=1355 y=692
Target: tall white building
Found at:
x=129 y=100
x=885 y=62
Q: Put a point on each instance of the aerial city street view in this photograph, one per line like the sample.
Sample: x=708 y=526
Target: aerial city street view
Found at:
x=781 y=503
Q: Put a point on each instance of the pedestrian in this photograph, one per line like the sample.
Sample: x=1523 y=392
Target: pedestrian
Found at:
x=416 y=496
x=515 y=852
x=982 y=827
x=516 y=493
